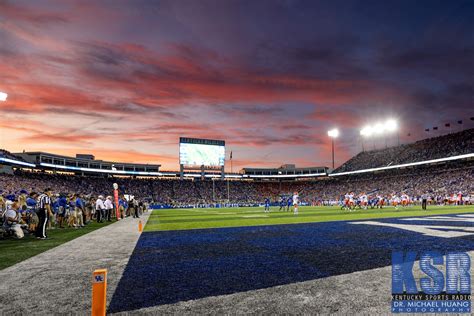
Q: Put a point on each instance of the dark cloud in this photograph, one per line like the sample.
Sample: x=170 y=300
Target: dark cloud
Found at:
x=36 y=16
x=250 y=110
x=443 y=60
x=262 y=74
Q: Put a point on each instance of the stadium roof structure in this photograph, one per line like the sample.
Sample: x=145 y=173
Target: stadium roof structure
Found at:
x=47 y=161
x=87 y=164
x=7 y=160
x=285 y=171
x=84 y=163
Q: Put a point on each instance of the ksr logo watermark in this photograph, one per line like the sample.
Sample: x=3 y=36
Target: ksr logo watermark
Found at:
x=435 y=291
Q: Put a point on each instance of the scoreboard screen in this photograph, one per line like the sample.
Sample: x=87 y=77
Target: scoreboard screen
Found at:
x=198 y=152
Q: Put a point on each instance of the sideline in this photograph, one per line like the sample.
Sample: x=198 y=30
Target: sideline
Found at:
x=59 y=280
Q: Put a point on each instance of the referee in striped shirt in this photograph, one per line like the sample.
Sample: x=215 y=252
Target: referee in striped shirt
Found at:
x=44 y=212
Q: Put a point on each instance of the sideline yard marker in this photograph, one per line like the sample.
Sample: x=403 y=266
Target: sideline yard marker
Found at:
x=140 y=226
x=99 y=292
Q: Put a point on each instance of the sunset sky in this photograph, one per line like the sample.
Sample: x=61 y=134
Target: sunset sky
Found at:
x=123 y=80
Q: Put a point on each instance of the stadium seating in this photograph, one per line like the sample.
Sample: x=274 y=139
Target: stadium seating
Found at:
x=426 y=149
x=438 y=180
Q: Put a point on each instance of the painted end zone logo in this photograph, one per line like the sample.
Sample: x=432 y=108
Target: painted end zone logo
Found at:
x=436 y=292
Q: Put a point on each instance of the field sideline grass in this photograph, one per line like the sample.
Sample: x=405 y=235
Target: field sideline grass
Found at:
x=13 y=251
x=183 y=219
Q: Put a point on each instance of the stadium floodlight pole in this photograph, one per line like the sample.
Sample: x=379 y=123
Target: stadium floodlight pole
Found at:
x=334 y=133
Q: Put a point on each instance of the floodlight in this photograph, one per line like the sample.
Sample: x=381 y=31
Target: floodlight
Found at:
x=3 y=96
x=367 y=131
x=391 y=125
x=379 y=128
x=333 y=133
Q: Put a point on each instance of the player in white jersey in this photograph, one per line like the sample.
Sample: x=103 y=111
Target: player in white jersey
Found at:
x=295 y=203
x=364 y=201
x=467 y=199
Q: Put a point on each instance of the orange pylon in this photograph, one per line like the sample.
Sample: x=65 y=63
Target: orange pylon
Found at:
x=99 y=292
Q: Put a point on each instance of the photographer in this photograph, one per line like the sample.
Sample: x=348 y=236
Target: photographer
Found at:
x=12 y=221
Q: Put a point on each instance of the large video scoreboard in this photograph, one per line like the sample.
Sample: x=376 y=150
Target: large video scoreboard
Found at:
x=199 y=152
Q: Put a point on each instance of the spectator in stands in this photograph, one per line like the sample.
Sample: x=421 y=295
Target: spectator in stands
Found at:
x=427 y=149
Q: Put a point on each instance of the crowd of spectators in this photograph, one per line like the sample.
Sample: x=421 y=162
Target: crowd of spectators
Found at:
x=445 y=179
x=48 y=201
x=427 y=149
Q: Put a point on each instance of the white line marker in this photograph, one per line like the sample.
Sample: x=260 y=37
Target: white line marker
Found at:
x=440 y=218
x=429 y=230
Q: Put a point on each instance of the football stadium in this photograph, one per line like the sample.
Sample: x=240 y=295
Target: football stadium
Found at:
x=234 y=162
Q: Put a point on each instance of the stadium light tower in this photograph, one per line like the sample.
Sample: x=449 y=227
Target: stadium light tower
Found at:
x=3 y=96
x=391 y=125
x=334 y=133
x=379 y=129
x=367 y=131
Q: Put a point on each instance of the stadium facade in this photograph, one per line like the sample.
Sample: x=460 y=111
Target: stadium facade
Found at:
x=451 y=148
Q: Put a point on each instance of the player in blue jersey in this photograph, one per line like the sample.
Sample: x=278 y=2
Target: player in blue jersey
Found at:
x=62 y=203
x=267 y=205
x=282 y=203
x=32 y=216
x=289 y=202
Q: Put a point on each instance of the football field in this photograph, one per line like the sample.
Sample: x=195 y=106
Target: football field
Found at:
x=181 y=219
x=211 y=260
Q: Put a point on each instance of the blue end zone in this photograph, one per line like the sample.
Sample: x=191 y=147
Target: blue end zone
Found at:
x=172 y=266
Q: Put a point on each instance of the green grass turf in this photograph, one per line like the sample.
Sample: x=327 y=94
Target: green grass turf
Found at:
x=182 y=219
x=13 y=251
